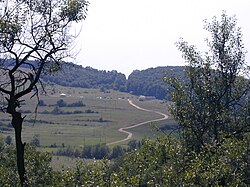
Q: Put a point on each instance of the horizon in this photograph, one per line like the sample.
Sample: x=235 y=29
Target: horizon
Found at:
x=132 y=70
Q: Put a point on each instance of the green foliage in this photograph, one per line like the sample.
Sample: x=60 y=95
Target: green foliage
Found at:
x=35 y=140
x=98 y=151
x=163 y=162
x=74 y=10
x=214 y=101
x=61 y=103
x=150 y=82
x=166 y=162
x=76 y=76
x=117 y=151
x=8 y=31
x=38 y=170
x=8 y=140
x=147 y=82
x=96 y=174
x=41 y=103
x=1 y=141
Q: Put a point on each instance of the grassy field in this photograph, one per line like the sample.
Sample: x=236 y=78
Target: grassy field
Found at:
x=96 y=122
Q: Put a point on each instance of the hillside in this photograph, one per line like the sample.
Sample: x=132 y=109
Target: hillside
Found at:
x=147 y=82
x=150 y=82
x=77 y=76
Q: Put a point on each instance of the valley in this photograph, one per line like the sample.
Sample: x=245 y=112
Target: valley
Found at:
x=79 y=116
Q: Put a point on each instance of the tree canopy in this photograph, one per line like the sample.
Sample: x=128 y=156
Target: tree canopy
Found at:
x=214 y=103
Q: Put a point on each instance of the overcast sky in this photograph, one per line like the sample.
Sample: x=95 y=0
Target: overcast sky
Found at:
x=126 y=35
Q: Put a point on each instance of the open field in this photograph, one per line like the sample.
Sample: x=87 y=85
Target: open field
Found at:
x=95 y=122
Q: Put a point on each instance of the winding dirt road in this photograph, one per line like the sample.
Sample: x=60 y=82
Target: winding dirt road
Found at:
x=130 y=134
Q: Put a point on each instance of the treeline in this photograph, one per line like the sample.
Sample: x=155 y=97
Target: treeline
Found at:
x=150 y=82
x=147 y=82
x=99 y=151
x=77 y=76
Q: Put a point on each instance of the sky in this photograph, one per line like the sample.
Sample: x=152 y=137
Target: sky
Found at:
x=127 y=35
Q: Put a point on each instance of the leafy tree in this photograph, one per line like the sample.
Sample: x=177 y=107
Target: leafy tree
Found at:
x=167 y=162
x=117 y=151
x=33 y=35
x=76 y=104
x=41 y=103
x=61 y=103
x=133 y=144
x=213 y=103
x=1 y=141
x=38 y=170
x=35 y=140
x=8 y=140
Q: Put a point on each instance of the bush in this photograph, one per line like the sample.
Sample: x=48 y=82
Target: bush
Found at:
x=38 y=170
x=61 y=103
x=76 y=104
x=41 y=103
x=8 y=140
x=35 y=141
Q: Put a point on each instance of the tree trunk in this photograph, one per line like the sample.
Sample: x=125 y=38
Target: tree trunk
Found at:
x=17 y=122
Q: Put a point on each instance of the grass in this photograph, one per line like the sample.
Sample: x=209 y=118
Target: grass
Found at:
x=111 y=111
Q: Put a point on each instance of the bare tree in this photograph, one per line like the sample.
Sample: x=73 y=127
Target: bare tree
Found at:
x=34 y=39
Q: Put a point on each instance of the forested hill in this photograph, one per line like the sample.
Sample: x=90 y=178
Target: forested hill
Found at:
x=150 y=82
x=147 y=82
x=77 y=76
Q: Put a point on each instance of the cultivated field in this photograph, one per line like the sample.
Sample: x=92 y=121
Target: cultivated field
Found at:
x=96 y=122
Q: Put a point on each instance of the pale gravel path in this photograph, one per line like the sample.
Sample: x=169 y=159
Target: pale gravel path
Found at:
x=130 y=134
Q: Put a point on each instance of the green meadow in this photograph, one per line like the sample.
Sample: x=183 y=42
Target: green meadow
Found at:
x=97 y=121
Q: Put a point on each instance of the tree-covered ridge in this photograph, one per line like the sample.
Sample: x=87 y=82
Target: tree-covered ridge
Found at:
x=77 y=76
x=150 y=82
x=147 y=82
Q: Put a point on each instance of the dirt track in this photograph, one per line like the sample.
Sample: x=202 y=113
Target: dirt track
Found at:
x=130 y=134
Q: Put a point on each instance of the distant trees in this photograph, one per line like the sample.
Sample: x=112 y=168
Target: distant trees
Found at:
x=150 y=82
x=76 y=76
x=41 y=103
x=8 y=140
x=147 y=82
x=99 y=151
x=35 y=141
x=33 y=35
x=62 y=103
